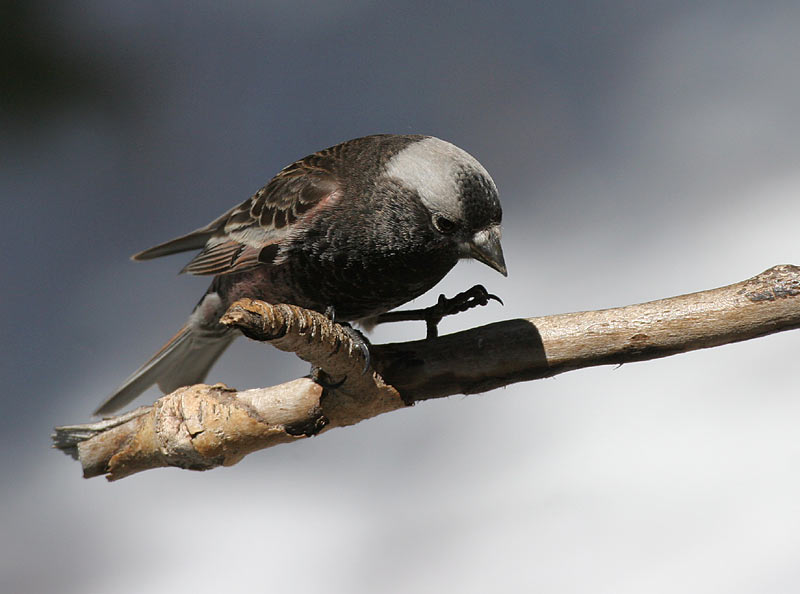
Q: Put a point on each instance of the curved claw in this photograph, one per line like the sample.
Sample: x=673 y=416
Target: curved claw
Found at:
x=357 y=337
x=477 y=295
x=481 y=296
x=364 y=348
x=495 y=297
x=360 y=342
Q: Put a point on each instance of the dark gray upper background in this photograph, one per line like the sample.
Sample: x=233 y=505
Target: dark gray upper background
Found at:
x=641 y=150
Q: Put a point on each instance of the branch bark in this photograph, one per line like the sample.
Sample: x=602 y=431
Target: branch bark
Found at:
x=200 y=427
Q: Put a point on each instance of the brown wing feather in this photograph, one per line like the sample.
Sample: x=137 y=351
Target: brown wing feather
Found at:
x=229 y=256
x=240 y=237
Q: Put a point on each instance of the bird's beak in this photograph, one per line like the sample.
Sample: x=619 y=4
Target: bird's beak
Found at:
x=485 y=247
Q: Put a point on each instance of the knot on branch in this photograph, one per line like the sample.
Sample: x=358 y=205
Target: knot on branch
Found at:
x=778 y=282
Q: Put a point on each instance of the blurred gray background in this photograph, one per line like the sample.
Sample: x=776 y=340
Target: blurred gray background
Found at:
x=642 y=150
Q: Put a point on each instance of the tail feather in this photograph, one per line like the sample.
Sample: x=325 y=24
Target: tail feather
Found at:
x=191 y=241
x=184 y=360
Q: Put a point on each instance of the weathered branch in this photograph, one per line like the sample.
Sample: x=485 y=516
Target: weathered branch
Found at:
x=200 y=427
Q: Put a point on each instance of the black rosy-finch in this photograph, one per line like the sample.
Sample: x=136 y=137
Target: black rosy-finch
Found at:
x=356 y=229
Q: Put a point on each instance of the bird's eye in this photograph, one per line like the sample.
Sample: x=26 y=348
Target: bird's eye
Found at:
x=444 y=225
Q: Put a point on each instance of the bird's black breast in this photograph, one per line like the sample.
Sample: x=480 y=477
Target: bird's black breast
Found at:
x=373 y=252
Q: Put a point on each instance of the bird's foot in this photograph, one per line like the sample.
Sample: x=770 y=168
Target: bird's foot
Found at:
x=359 y=341
x=477 y=295
x=473 y=297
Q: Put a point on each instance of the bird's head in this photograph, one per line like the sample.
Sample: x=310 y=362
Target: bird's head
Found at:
x=459 y=194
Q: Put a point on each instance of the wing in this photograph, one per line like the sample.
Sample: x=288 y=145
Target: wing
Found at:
x=249 y=234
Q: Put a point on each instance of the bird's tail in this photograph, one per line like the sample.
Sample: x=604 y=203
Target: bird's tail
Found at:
x=183 y=361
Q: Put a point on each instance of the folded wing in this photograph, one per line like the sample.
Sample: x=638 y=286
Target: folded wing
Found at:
x=248 y=234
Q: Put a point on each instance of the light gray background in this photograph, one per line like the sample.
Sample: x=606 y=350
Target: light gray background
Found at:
x=642 y=149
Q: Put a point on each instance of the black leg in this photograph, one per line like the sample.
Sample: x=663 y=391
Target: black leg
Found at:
x=477 y=295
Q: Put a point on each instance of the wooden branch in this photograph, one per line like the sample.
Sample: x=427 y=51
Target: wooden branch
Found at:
x=200 y=427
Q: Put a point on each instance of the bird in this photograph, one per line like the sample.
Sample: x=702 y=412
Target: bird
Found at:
x=356 y=230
